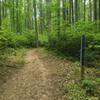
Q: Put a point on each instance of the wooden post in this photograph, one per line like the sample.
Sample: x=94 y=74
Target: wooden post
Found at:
x=82 y=55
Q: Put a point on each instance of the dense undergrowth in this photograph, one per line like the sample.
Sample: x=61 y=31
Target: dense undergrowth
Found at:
x=68 y=42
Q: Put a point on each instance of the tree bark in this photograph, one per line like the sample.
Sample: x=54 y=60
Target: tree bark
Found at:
x=84 y=9
x=76 y=10
x=0 y=15
x=72 y=12
x=95 y=10
x=35 y=22
x=58 y=17
x=99 y=9
x=64 y=10
x=70 y=5
x=90 y=10
x=17 y=16
x=41 y=17
x=13 y=17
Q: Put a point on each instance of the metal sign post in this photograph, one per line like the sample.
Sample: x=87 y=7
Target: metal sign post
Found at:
x=82 y=55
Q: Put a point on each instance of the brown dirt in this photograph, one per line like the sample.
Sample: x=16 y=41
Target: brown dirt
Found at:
x=37 y=80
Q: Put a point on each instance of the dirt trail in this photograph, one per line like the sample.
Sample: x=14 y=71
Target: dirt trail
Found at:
x=32 y=82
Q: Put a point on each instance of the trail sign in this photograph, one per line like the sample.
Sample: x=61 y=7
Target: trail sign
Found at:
x=82 y=55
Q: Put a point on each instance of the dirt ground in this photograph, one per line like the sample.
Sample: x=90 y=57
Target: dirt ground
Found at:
x=37 y=80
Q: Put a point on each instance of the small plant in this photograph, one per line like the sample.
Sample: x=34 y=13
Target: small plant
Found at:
x=89 y=86
x=74 y=92
x=98 y=80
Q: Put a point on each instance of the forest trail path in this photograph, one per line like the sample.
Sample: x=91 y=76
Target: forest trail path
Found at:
x=33 y=82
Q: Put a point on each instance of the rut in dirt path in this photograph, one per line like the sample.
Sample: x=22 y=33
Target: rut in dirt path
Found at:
x=32 y=82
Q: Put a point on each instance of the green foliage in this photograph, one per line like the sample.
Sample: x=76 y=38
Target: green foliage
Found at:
x=69 y=41
x=26 y=39
x=89 y=86
x=66 y=43
x=13 y=40
x=75 y=92
x=98 y=81
x=88 y=90
x=43 y=40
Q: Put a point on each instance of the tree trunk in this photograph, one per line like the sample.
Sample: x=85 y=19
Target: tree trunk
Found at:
x=90 y=10
x=58 y=18
x=28 y=16
x=70 y=5
x=72 y=12
x=35 y=22
x=0 y=15
x=95 y=10
x=64 y=10
x=84 y=9
x=3 y=9
x=41 y=17
x=17 y=16
x=48 y=14
x=13 y=17
x=99 y=9
x=76 y=10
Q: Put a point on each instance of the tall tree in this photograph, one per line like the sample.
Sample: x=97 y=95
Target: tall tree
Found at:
x=29 y=14
x=17 y=16
x=41 y=16
x=25 y=15
x=95 y=10
x=0 y=14
x=84 y=9
x=13 y=16
x=76 y=10
x=72 y=6
x=58 y=17
x=35 y=21
x=48 y=14
x=90 y=10
x=99 y=9
x=64 y=9
x=3 y=9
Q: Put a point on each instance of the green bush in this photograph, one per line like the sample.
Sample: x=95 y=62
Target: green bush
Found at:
x=74 y=92
x=89 y=86
x=43 y=40
x=69 y=42
x=14 y=40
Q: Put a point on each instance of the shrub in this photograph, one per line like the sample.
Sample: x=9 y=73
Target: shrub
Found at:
x=43 y=40
x=14 y=40
x=89 y=86
x=74 y=92
x=69 y=42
